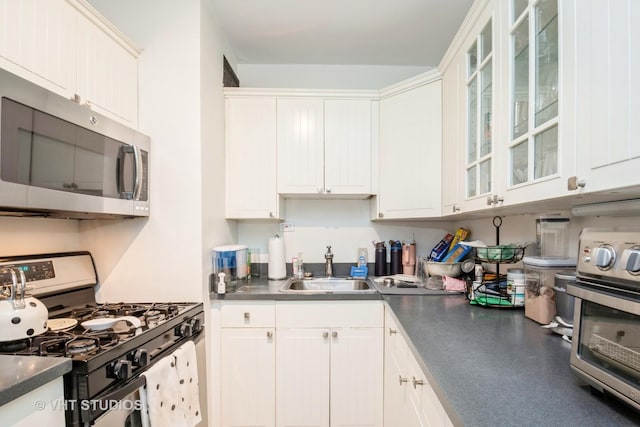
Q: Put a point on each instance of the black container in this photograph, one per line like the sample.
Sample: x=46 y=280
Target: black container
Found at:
x=381 y=259
x=396 y=257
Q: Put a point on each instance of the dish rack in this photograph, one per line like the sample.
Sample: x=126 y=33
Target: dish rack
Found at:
x=492 y=290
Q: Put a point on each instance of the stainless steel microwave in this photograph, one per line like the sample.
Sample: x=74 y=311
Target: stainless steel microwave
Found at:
x=63 y=160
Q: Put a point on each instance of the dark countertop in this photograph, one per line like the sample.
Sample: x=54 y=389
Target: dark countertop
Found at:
x=488 y=366
x=22 y=374
x=495 y=367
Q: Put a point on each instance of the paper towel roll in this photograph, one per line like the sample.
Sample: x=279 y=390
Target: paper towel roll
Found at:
x=277 y=266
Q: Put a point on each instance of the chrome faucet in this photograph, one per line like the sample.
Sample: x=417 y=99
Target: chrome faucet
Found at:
x=328 y=267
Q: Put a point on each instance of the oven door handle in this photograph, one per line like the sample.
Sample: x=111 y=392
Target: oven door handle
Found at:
x=95 y=411
x=602 y=298
x=125 y=390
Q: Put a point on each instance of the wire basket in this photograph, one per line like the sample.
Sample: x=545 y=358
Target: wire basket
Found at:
x=500 y=253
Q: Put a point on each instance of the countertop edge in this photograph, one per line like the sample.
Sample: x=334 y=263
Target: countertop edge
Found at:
x=23 y=379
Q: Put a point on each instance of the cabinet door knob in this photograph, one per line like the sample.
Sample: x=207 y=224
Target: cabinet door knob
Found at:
x=416 y=382
x=403 y=380
x=320 y=189
x=456 y=208
x=392 y=331
x=328 y=189
x=489 y=200
x=573 y=183
x=247 y=315
x=325 y=335
x=334 y=334
x=271 y=215
x=380 y=215
x=269 y=334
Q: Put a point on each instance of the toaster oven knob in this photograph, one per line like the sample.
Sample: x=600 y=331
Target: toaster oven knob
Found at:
x=120 y=370
x=139 y=357
x=633 y=261
x=604 y=257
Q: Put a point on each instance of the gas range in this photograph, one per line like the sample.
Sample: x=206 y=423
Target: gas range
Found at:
x=110 y=344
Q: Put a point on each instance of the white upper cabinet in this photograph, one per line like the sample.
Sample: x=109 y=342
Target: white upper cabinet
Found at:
x=480 y=172
x=608 y=94
x=324 y=146
x=410 y=162
x=107 y=76
x=250 y=158
x=37 y=41
x=300 y=146
x=539 y=152
x=348 y=145
x=67 y=47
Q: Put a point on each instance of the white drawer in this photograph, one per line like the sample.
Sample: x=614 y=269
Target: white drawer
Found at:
x=256 y=314
x=330 y=314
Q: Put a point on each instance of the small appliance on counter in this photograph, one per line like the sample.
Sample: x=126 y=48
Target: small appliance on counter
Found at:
x=232 y=261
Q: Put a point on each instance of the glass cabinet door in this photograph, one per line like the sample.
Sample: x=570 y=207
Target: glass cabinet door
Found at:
x=533 y=147
x=479 y=111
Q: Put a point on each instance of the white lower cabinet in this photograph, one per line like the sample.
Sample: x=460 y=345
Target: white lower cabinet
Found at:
x=25 y=411
x=409 y=399
x=329 y=368
x=247 y=360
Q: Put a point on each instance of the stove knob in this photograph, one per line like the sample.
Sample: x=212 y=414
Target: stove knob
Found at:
x=604 y=257
x=184 y=330
x=633 y=261
x=196 y=325
x=120 y=370
x=139 y=357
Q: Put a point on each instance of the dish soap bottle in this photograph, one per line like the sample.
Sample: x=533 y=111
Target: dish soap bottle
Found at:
x=222 y=288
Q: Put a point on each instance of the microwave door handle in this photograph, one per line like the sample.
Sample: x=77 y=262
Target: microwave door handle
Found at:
x=120 y=171
x=137 y=161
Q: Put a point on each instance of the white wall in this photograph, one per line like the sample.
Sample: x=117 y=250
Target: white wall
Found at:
x=324 y=76
x=180 y=98
x=24 y=236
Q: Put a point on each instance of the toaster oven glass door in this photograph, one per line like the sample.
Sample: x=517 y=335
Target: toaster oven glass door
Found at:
x=609 y=339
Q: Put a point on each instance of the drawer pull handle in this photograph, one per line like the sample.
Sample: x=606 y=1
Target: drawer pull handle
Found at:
x=392 y=331
x=269 y=334
x=417 y=382
x=334 y=334
x=403 y=380
x=247 y=315
x=325 y=335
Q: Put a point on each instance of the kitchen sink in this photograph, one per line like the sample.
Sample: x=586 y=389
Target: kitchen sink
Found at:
x=328 y=285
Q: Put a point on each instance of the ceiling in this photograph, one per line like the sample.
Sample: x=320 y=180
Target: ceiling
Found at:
x=341 y=32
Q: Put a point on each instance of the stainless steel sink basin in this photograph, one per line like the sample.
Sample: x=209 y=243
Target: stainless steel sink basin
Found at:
x=328 y=285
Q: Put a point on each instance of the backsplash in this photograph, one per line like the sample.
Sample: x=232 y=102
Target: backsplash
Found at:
x=346 y=226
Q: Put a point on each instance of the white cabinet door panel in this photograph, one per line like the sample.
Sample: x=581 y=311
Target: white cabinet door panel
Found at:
x=608 y=105
x=355 y=393
x=250 y=142
x=247 y=381
x=107 y=74
x=410 y=153
x=300 y=146
x=347 y=146
x=302 y=380
x=37 y=42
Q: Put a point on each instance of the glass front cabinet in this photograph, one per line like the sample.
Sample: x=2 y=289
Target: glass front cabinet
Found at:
x=539 y=143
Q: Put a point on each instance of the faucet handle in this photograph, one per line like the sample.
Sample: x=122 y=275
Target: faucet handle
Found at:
x=328 y=255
